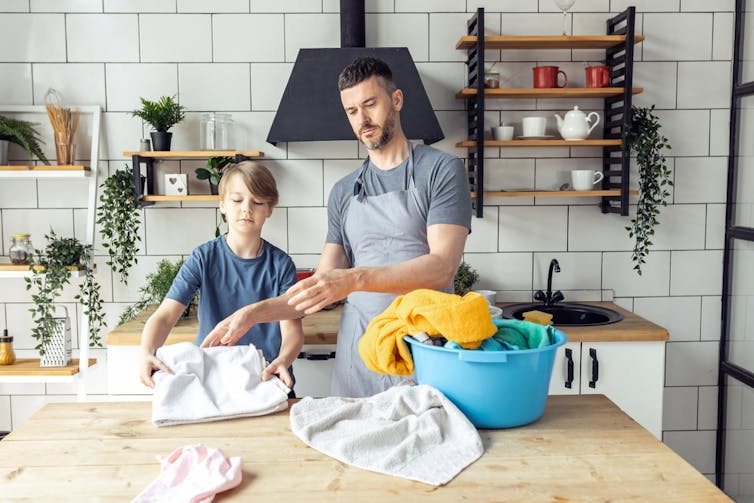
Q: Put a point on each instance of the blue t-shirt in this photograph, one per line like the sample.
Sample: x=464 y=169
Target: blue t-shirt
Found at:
x=227 y=282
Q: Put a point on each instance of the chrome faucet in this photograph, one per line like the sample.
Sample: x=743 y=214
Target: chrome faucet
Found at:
x=549 y=298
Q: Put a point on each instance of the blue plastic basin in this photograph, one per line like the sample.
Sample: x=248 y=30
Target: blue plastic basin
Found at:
x=494 y=389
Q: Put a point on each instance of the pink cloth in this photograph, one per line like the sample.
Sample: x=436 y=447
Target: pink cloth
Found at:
x=194 y=473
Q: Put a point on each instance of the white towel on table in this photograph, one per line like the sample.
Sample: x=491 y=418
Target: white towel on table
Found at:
x=413 y=432
x=213 y=384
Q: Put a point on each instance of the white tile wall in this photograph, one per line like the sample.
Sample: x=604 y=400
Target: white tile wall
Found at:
x=190 y=37
x=15 y=86
x=43 y=36
x=262 y=35
x=236 y=55
x=102 y=37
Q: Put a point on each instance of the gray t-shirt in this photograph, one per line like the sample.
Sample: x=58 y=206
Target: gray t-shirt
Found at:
x=441 y=181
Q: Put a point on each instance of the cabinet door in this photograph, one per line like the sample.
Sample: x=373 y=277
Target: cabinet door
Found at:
x=313 y=374
x=631 y=374
x=566 y=370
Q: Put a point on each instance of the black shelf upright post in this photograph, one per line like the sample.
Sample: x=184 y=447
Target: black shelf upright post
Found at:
x=136 y=161
x=616 y=164
x=475 y=110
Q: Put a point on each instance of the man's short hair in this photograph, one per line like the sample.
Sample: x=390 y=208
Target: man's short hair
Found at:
x=364 y=67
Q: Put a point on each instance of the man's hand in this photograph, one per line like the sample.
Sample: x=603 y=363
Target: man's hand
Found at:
x=280 y=369
x=230 y=330
x=322 y=289
x=148 y=365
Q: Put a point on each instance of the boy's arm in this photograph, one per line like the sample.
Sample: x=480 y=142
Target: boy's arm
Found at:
x=292 y=339
x=232 y=328
x=155 y=333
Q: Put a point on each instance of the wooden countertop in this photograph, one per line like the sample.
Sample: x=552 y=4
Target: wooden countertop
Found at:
x=319 y=328
x=584 y=448
x=322 y=328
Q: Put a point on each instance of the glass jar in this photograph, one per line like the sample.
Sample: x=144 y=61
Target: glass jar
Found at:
x=216 y=131
x=491 y=80
x=20 y=250
x=7 y=356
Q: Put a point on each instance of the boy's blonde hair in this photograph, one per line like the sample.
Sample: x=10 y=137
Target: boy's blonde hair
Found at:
x=257 y=179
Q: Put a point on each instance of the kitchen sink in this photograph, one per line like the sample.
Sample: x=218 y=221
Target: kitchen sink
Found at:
x=568 y=314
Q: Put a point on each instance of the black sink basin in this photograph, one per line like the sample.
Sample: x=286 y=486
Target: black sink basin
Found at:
x=566 y=314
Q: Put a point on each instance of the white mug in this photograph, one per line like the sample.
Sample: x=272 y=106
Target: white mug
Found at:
x=534 y=126
x=585 y=179
x=502 y=133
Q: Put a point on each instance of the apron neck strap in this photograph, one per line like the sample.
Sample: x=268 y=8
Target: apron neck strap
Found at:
x=358 y=187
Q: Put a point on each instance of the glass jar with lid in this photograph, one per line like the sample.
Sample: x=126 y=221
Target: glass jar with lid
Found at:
x=20 y=250
x=217 y=131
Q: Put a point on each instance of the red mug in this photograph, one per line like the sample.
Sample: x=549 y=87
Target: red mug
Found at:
x=597 y=76
x=547 y=76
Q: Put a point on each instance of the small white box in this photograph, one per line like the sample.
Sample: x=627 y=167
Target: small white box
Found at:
x=176 y=184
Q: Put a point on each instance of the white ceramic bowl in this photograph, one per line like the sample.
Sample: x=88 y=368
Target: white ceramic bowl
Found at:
x=495 y=312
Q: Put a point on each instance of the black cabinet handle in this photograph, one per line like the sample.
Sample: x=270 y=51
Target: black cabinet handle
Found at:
x=595 y=368
x=569 y=368
x=316 y=356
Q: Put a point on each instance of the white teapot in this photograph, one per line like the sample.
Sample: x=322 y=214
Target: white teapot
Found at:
x=576 y=125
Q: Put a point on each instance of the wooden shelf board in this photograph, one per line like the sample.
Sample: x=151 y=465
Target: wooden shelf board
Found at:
x=29 y=367
x=546 y=41
x=53 y=171
x=541 y=93
x=543 y=143
x=195 y=154
x=198 y=197
x=555 y=193
x=25 y=268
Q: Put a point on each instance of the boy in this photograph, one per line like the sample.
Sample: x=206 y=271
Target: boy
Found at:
x=232 y=271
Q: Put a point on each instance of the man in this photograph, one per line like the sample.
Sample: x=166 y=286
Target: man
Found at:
x=396 y=224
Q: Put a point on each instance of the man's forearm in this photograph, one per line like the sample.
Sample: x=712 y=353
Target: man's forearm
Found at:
x=426 y=271
x=274 y=309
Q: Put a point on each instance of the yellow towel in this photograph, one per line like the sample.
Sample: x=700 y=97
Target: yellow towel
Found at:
x=465 y=320
x=538 y=317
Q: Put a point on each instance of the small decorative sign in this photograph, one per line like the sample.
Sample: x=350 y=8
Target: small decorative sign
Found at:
x=176 y=185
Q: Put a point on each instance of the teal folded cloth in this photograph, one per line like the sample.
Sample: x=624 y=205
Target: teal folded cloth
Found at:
x=521 y=334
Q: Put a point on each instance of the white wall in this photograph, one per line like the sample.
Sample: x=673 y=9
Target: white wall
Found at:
x=235 y=56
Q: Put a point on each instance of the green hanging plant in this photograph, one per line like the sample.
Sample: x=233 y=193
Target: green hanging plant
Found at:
x=643 y=138
x=465 y=279
x=50 y=274
x=119 y=218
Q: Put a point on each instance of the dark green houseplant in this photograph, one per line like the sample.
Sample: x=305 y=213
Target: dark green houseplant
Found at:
x=465 y=279
x=644 y=139
x=154 y=290
x=24 y=134
x=213 y=171
x=162 y=114
x=50 y=273
x=119 y=217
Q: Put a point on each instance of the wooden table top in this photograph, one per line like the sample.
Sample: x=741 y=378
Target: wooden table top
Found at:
x=322 y=328
x=584 y=448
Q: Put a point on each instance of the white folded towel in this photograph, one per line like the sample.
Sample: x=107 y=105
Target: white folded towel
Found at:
x=408 y=431
x=213 y=384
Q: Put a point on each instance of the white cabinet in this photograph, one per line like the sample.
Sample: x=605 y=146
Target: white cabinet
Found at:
x=631 y=374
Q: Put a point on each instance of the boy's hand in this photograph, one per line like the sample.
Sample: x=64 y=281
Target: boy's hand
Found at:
x=149 y=365
x=229 y=330
x=279 y=369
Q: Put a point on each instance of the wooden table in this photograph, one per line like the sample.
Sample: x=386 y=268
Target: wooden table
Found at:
x=583 y=449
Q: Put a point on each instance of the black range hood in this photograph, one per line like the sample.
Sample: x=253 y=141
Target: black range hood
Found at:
x=310 y=109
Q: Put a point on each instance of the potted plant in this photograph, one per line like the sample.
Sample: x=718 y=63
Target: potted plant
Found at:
x=161 y=115
x=50 y=273
x=154 y=290
x=643 y=138
x=465 y=279
x=21 y=133
x=213 y=171
x=119 y=218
